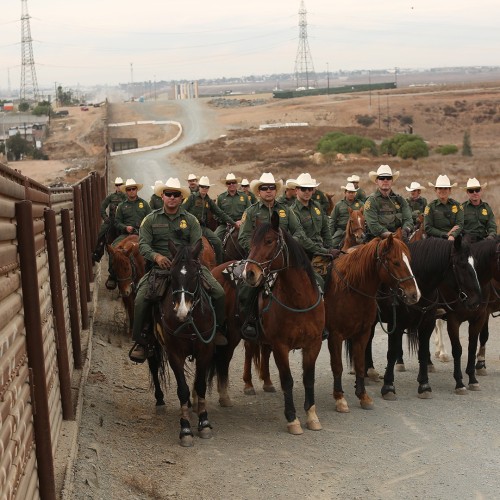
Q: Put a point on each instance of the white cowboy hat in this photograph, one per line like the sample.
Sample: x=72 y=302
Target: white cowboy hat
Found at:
x=245 y=182
x=204 y=181
x=118 y=180
x=303 y=180
x=157 y=183
x=383 y=170
x=414 y=186
x=192 y=177
x=442 y=182
x=265 y=178
x=349 y=187
x=173 y=184
x=130 y=183
x=353 y=178
x=290 y=184
x=474 y=183
x=230 y=177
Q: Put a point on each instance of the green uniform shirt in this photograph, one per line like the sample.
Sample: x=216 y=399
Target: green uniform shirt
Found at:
x=417 y=206
x=233 y=206
x=384 y=214
x=479 y=220
x=340 y=214
x=158 y=228
x=439 y=218
x=111 y=202
x=251 y=197
x=156 y=202
x=261 y=213
x=200 y=207
x=360 y=195
x=285 y=200
x=321 y=199
x=316 y=228
x=131 y=213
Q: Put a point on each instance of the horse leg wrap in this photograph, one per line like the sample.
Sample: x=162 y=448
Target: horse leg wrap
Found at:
x=185 y=428
x=203 y=422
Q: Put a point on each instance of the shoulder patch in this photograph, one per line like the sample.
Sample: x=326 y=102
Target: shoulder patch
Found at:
x=454 y=208
x=368 y=204
x=244 y=216
x=484 y=211
x=427 y=210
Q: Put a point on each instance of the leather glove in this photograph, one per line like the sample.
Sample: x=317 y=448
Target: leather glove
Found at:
x=490 y=237
x=163 y=262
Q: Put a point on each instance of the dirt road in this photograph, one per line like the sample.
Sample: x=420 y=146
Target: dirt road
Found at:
x=443 y=448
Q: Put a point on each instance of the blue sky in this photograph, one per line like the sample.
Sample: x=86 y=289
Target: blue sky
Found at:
x=95 y=42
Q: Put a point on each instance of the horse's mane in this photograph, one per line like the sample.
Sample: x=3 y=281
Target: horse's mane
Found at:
x=297 y=256
x=430 y=254
x=482 y=252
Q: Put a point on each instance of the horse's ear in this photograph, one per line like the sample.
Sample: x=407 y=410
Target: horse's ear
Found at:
x=350 y=210
x=362 y=209
x=457 y=243
x=275 y=221
x=197 y=248
x=172 y=248
x=131 y=249
x=399 y=234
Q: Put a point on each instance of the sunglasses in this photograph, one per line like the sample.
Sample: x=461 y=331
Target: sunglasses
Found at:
x=267 y=188
x=476 y=190
x=169 y=194
x=204 y=187
x=229 y=183
x=384 y=178
x=118 y=185
x=304 y=189
x=130 y=189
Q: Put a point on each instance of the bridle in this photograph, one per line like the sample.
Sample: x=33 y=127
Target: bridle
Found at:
x=281 y=249
x=133 y=273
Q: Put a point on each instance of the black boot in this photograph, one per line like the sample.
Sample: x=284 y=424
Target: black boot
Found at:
x=220 y=335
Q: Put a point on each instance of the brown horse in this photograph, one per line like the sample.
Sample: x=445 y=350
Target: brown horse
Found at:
x=128 y=266
x=291 y=311
x=355 y=229
x=185 y=328
x=351 y=304
x=231 y=248
x=207 y=256
x=419 y=233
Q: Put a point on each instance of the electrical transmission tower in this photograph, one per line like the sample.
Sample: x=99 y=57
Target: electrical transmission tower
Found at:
x=29 y=85
x=304 y=69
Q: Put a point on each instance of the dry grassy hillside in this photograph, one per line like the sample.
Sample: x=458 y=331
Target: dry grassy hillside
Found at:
x=439 y=117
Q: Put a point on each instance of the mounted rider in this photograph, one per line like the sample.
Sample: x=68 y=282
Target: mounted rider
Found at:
x=479 y=220
x=156 y=202
x=416 y=202
x=360 y=193
x=170 y=223
x=245 y=187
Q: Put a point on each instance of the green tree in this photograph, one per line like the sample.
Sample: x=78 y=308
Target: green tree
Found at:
x=466 y=146
x=42 y=108
x=337 y=142
x=23 y=106
x=18 y=146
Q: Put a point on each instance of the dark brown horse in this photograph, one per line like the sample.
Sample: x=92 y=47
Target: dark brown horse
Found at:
x=291 y=311
x=128 y=267
x=355 y=229
x=185 y=328
x=231 y=248
x=351 y=304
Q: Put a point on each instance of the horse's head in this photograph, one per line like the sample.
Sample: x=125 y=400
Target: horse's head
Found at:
x=266 y=252
x=356 y=225
x=465 y=274
x=124 y=267
x=185 y=278
x=394 y=258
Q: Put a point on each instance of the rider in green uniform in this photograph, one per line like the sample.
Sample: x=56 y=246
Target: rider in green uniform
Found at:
x=360 y=193
x=340 y=214
x=416 y=202
x=245 y=187
x=479 y=220
x=170 y=223
x=156 y=201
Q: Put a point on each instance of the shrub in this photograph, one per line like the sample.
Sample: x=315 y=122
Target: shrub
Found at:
x=338 y=142
x=365 y=120
x=406 y=120
x=466 y=146
x=405 y=146
x=413 y=149
x=447 y=149
x=23 y=106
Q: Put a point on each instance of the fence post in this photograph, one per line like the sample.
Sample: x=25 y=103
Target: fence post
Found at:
x=58 y=308
x=87 y=218
x=34 y=346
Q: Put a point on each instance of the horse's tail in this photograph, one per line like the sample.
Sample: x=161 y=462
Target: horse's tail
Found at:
x=157 y=364
x=413 y=339
x=348 y=351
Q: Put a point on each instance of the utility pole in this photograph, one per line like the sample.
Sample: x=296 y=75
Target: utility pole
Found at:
x=304 y=69
x=29 y=84
x=370 y=88
x=327 y=79
x=131 y=81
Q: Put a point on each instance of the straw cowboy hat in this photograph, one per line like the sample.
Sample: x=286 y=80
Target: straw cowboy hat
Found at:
x=118 y=181
x=290 y=184
x=231 y=178
x=204 y=181
x=353 y=178
x=130 y=183
x=265 y=178
x=303 y=180
x=414 y=186
x=383 y=170
x=192 y=177
x=245 y=182
x=157 y=183
x=349 y=187
x=442 y=182
x=172 y=184
x=474 y=183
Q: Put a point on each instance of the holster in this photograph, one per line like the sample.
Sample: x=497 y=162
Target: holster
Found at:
x=158 y=281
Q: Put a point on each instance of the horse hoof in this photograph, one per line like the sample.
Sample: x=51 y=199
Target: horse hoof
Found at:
x=160 y=409
x=249 y=391
x=341 y=406
x=372 y=374
x=186 y=441
x=295 y=428
x=205 y=433
x=226 y=402
x=367 y=405
x=481 y=372
x=400 y=367
x=390 y=396
x=444 y=358
x=461 y=391
x=431 y=369
x=313 y=423
x=474 y=387
x=269 y=388
x=425 y=395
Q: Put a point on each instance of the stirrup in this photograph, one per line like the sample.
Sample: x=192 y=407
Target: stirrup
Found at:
x=138 y=353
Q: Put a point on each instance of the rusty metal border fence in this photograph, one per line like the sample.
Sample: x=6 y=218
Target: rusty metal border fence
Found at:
x=46 y=237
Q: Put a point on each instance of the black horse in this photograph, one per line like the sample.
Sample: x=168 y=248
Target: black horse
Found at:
x=436 y=264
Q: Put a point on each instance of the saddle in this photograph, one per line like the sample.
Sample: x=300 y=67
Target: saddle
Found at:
x=158 y=281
